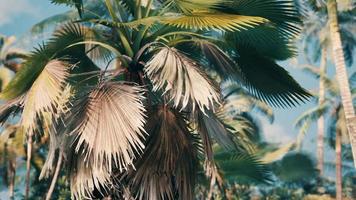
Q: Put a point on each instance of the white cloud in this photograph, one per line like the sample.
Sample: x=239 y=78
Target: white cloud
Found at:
x=275 y=133
x=11 y=8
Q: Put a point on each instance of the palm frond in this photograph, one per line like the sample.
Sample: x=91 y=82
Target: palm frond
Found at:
x=278 y=153
x=108 y=124
x=266 y=40
x=243 y=168
x=217 y=130
x=77 y=3
x=217 y=21
x=179 y=76
x=45 y=95
x=281 y=13
x=189 y=6
x=200 y=21
x=56 y=138
x=268 y=81
x=55 y=48
x=168 y=166
x=220 y=60
x=312 y=114
x=85 y=177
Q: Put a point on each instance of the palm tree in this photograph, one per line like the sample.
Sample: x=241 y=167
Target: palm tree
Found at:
x=337 y=127
x=124 y=91
x=317 y=45
x=341 y=73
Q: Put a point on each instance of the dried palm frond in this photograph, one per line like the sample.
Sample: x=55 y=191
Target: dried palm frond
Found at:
x=56 y=139
x=11 y=107
x=85 y=178
x=217 y=130
x=168 y=166
x=44 y=96
x=108 y=124
x=210 y=168
x=181 y=77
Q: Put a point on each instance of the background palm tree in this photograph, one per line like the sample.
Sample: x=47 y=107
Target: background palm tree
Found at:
x=341 y=73
x=332 y=107
x=317 y=44
x=128 y=89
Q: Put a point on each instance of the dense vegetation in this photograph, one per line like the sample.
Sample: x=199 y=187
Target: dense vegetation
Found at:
x=160 y=99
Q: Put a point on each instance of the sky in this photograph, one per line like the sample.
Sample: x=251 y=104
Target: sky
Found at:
x=18 y=16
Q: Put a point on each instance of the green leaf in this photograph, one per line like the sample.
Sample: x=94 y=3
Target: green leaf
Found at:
x=243 y=168
x=77 y=3
x=268 y=81
x=281 y=13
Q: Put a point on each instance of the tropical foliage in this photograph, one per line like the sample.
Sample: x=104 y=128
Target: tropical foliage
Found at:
x=129 y=91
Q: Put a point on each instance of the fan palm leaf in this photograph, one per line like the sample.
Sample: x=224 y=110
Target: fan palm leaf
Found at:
x=178 y=76
x=108 y=124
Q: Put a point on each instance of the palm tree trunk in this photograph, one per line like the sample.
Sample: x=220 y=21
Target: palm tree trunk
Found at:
x=320 y=139
x=341 y=74
x=12 y=169
x=28 y=166
x=55 y=176
x=338 y=166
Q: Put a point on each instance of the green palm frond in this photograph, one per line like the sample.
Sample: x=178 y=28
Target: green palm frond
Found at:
x=237 y=99
x=77 y=3
x=243 y=168
x=200 y=21
x=168 y=166
x=266 y=40
x=112 y=110
x=218 y=58
x=185 y=6
x=218 y=21
x=268 y=81
x=175 y=73
x=277 y=153
x=281 y=13
x=56 y=47
x=217 y=130
x=312 y=114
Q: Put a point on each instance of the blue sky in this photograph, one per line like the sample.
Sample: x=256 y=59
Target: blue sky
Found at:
x=17 y=17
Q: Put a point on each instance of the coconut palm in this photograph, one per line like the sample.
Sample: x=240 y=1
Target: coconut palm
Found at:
x=124 y=91
x=337 y=127
x=317 y=44
x=340 y=63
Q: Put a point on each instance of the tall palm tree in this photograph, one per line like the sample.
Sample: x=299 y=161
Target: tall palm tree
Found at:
x=125 y=90
x=337 y=127
x=317 y=44
x=341 y=73
x=340 y=66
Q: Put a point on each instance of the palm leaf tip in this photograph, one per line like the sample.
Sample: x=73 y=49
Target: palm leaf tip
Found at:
x=108 y=123
x=180 y=77
x=86 y=178
x=10 y=108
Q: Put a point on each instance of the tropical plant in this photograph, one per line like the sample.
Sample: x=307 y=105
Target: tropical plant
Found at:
x=126 y=128
x=340 y=66
x=317 y=44
x=337 y=127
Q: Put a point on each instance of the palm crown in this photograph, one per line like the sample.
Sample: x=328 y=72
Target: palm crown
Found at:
x=127 y=127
